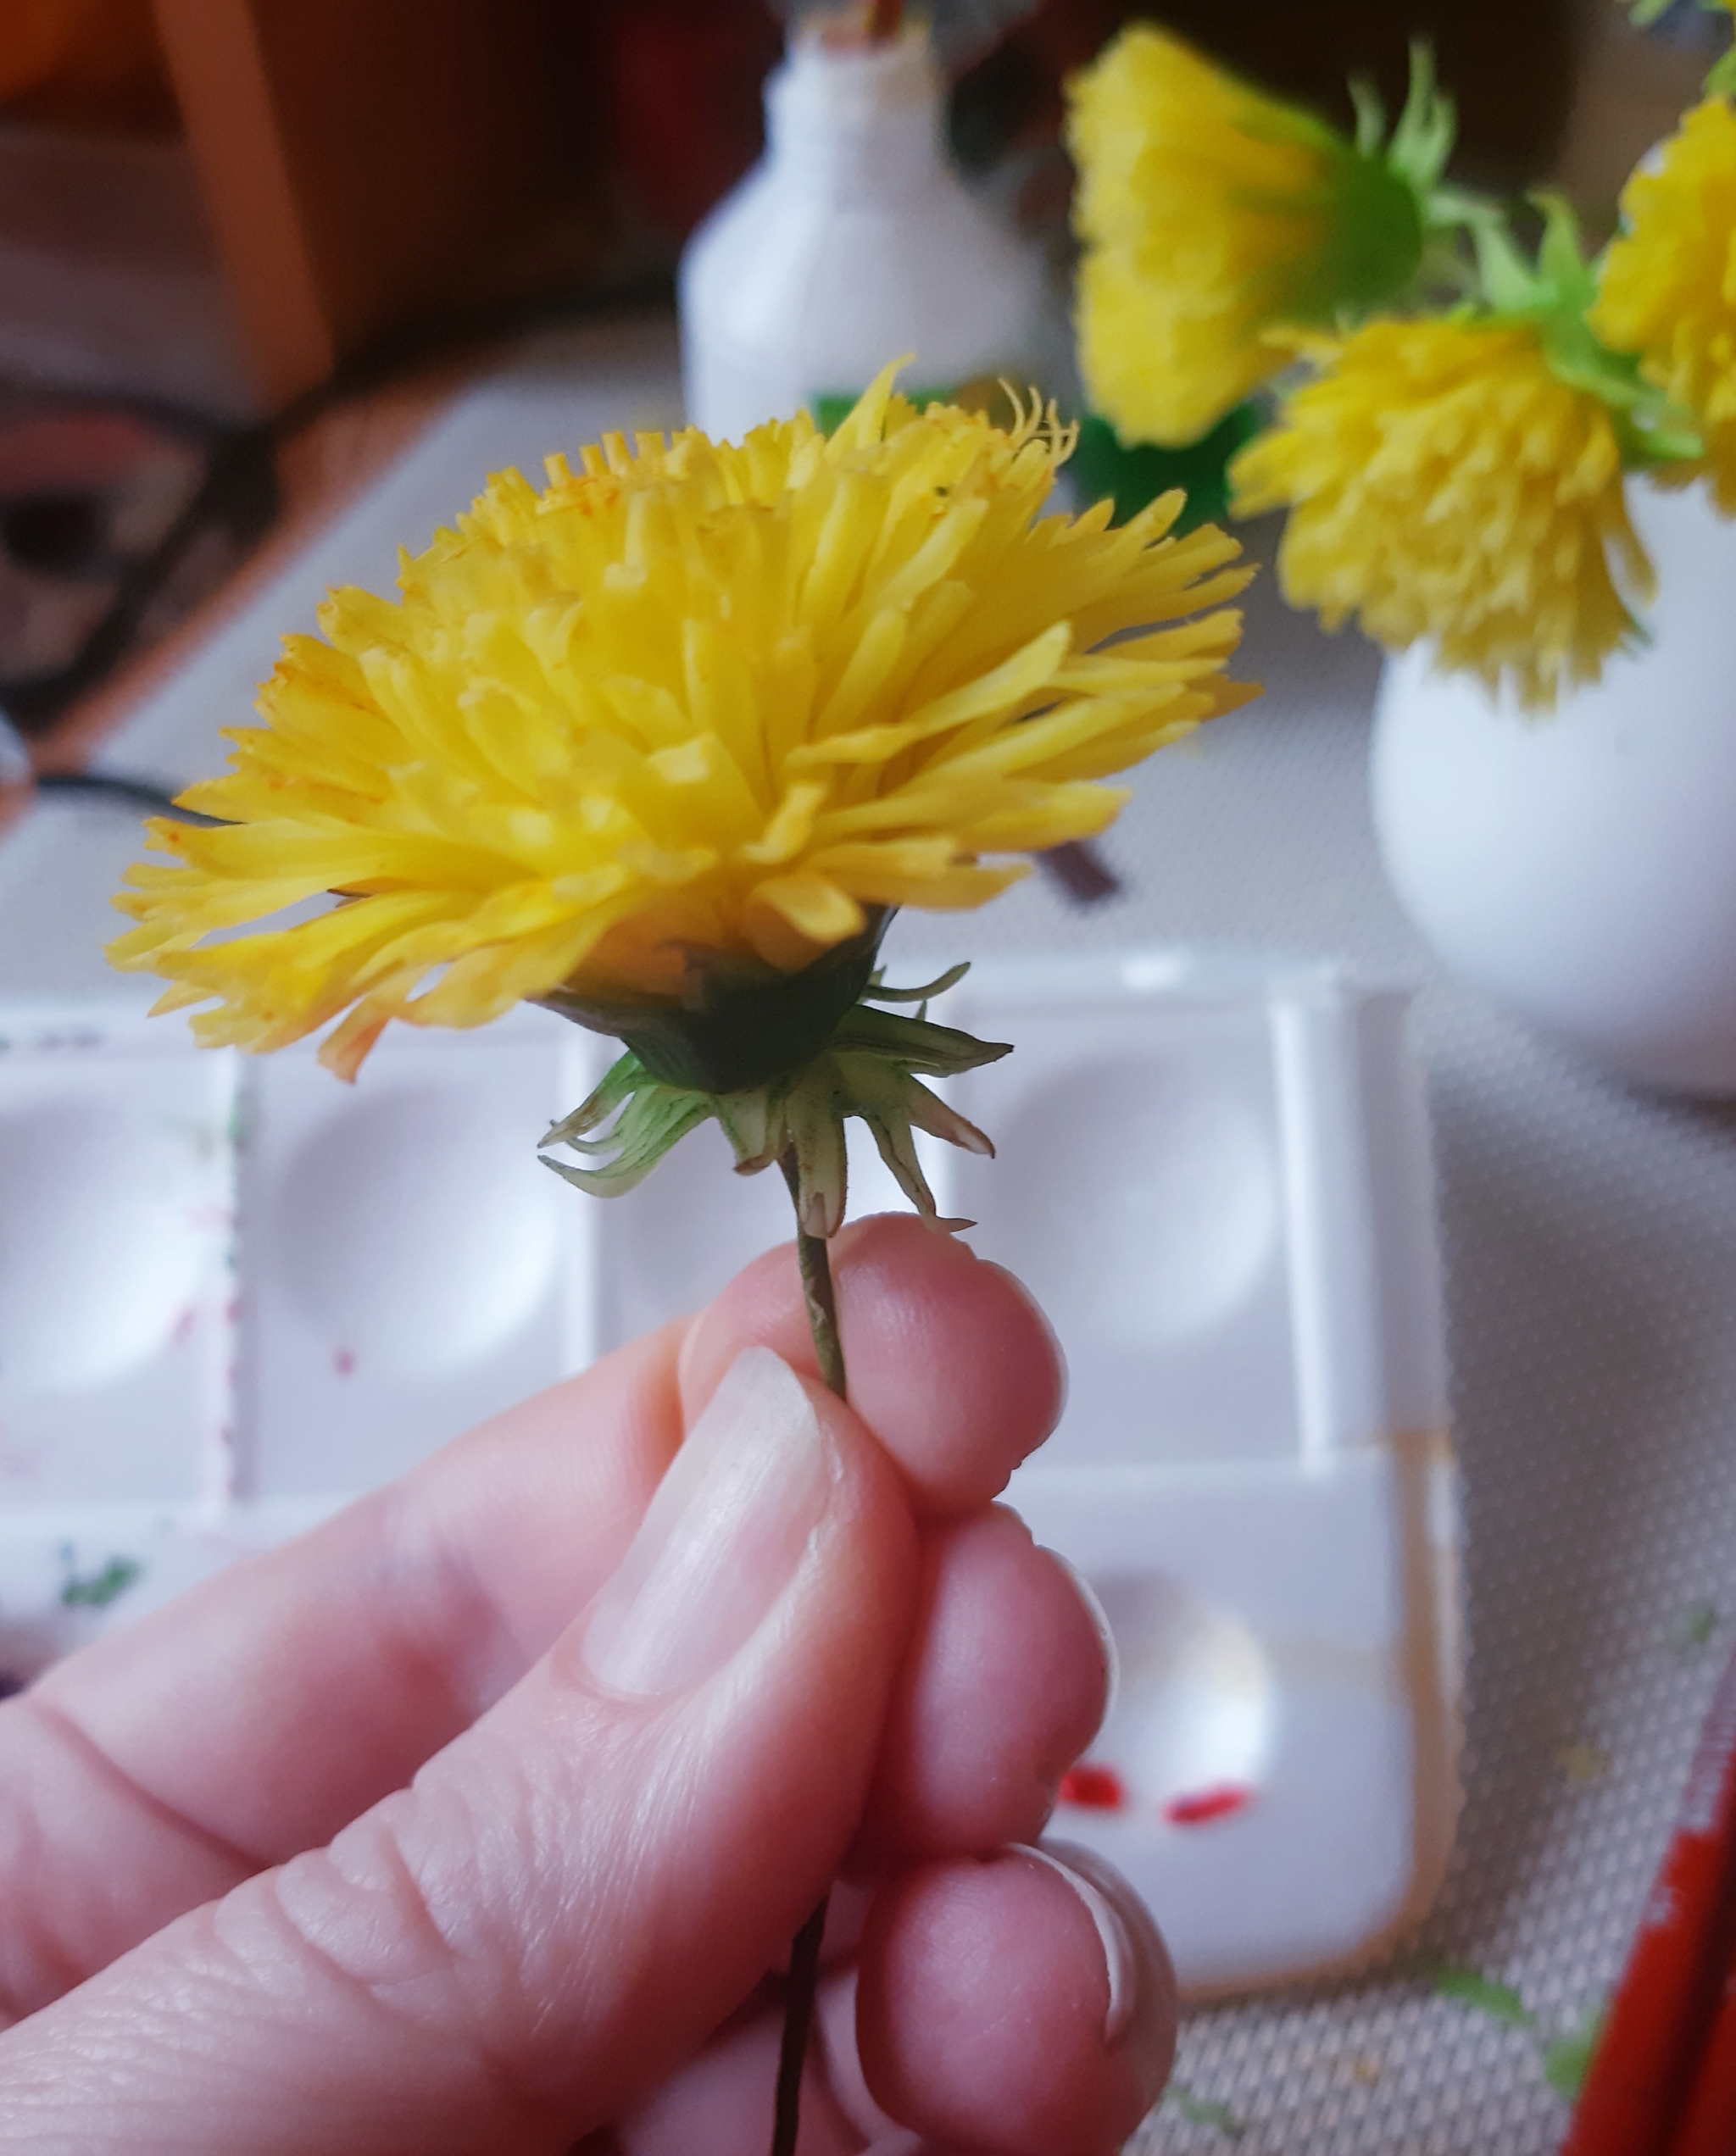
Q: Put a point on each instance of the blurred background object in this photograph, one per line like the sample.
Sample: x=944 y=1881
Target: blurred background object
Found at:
x=851 y=241
x=1630 y=88
x=228 y=215
x=86 y=64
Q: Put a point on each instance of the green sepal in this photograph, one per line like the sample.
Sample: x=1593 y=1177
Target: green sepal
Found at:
x=1388 y=203
x=871 y=1067
x=1429 y=126
x=1553 y=294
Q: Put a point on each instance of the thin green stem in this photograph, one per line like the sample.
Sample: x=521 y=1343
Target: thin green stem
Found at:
x=804 y=1953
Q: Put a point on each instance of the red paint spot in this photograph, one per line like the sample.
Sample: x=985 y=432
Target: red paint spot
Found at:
x=1205 y=1804
x=343 y=1362
x=184 y=1326
x=1092 y=1788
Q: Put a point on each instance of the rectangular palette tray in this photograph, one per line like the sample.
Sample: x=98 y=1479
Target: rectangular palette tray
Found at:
x=234 y=1292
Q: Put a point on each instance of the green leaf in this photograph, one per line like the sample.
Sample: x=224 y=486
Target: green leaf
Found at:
x=1643 y=14
x=1134 y=474
x=1499 y=2001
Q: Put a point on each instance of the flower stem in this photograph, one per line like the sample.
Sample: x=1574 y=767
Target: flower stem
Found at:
x=817 y=1294
x=804 y=1953
x=797 y=2018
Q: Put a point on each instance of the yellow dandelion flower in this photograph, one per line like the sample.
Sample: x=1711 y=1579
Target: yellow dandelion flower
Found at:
x=1209 y=211
x=1445 y=482
x=1668 y=287
x=692 y=699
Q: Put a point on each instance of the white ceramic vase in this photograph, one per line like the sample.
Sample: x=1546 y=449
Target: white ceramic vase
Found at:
x=1582 y=868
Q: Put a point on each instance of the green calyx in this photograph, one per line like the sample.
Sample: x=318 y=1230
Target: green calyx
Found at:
x=869 y=1065
x=1385 y=202
x=1553 y=294
x=738 y=1022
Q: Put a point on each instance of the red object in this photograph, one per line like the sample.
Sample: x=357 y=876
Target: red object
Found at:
x=1092 y=1788
x=684 y=79
x=1656 y=2035
x=1207 y=1805
x=1709 y=2124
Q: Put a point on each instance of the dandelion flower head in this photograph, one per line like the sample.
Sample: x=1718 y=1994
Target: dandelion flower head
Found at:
x=691 y=697
x=1444 y=482
x=1209 y=211
x=1668 y=290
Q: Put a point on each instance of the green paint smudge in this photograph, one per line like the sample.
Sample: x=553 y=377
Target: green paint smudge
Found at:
x=1564 y=2057
x=97 y=1590
x=1199 y=2111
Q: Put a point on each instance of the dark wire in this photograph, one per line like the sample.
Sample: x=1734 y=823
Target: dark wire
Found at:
x=132 y=793
x=240 y=487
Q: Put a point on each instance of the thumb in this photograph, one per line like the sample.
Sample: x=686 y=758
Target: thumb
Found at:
x=570 y=1896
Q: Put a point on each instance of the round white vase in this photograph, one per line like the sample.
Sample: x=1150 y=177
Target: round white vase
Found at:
x=1581 y=868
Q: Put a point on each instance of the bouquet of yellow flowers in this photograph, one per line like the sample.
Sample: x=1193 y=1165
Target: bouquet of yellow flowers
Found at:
x=1455 y=413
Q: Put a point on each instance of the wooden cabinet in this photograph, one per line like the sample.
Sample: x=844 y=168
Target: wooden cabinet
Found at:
x=366 y=162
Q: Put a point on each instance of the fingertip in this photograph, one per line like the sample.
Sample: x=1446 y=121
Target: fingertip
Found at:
x=951 y=1364
x=1023 y=2002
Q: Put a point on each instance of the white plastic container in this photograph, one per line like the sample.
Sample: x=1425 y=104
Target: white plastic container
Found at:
x=234 y=1292
x=850 y=243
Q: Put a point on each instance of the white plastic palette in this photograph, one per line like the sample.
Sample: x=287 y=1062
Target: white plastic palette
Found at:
x=233 y=1292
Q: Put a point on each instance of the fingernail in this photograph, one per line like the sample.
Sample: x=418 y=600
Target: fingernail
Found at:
x=1105 y=1632
x=720 y=1539
x=1119 y=1963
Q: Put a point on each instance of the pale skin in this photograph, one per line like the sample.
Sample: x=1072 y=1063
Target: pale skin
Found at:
x=353 y=1848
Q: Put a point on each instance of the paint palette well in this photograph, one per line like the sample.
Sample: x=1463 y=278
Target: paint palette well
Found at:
x=234 y=1292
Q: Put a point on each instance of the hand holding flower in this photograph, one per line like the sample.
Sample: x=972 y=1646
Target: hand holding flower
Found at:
x=431 y=1832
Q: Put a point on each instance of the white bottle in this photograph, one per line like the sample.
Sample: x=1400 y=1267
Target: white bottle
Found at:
x=851 y=243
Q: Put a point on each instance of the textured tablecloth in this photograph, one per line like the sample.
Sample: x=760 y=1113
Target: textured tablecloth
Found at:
x=1590 y=1239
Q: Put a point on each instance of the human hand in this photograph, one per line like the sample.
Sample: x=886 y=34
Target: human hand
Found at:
x=473 y=1820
